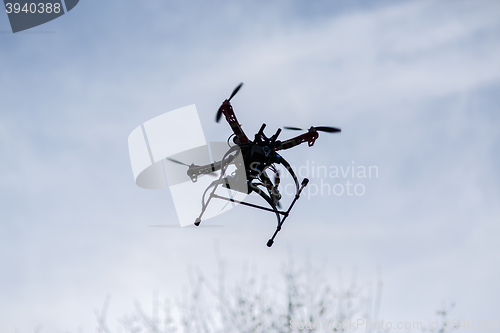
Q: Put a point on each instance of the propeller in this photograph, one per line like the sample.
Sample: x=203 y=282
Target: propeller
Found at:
x=178 y=162
x=181 y=163
x=326 y=129
x=235 y=91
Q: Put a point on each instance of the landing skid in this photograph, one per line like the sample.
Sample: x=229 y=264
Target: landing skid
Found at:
x=274 y=210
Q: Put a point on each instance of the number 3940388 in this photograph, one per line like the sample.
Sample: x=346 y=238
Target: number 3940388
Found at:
x=472 y=324
x=33 y=8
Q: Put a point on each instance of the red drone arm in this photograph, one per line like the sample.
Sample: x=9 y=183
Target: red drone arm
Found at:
x=228 y=112
x=310 y=137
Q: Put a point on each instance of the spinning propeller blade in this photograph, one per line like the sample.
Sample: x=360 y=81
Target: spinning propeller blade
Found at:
x=326 y=129
x=235 y=91
x=175 y=161
x=219 y=112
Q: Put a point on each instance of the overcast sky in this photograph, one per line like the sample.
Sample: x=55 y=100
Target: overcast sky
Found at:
x=414 y=85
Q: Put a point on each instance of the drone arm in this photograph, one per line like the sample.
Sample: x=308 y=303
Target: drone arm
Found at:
x=228 y=112
x=197 y=170
x=309 y=137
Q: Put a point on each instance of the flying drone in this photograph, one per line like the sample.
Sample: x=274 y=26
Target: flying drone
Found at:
x=255 y=159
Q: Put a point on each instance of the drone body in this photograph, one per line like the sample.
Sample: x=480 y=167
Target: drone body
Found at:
x=258 y=155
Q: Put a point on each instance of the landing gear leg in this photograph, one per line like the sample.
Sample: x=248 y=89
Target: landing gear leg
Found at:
x=304 y=184
x=204 y=205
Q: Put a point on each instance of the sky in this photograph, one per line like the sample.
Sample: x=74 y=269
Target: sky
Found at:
x=414 y=85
